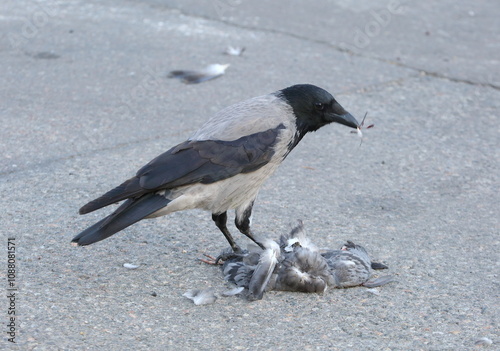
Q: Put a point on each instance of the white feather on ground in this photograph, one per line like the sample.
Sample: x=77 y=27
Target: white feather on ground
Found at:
x=193 y=77
x=201 y=296
x=234 y=50
x=130 y=266
x=232 y=292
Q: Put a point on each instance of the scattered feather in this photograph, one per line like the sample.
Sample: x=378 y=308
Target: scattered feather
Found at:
x=234 y=51
x=201 y=296
x=374 y=282
x=484 y=342
x=373 y=291
x=233 y=292
x=263 y=271
x=130 y=266
x=193 y=77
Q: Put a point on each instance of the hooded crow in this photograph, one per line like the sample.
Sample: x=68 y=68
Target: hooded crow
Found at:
x=223 y=165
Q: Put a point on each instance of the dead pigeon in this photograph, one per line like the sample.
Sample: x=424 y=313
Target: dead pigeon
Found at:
x=300 y=266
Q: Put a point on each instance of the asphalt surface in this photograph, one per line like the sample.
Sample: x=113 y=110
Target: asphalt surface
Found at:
x=85 y=102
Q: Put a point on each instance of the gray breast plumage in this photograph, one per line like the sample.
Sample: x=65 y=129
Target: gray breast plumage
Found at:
x=247 y=117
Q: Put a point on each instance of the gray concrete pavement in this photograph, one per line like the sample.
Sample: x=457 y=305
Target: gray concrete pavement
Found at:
x=85 y=102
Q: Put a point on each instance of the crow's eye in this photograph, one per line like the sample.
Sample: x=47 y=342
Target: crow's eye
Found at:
x=319 y=106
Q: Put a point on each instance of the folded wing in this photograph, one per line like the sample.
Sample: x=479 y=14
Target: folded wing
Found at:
x=194 y=161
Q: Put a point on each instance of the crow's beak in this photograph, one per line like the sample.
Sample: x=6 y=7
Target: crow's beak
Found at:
x=346 y=119
x=341 y=116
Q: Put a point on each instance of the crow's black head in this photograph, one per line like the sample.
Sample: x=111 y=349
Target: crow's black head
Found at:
x=315 y=107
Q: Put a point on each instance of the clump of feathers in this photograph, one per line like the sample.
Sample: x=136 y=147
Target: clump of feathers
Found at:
x=296 y=264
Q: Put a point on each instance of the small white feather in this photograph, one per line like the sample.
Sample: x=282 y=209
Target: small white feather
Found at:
x=216 y=69
x=373 y=291
x=130 y=266
x=232 y=292
x=193 y=77
x=234 y=51
x=201 y=296
x=484 y=342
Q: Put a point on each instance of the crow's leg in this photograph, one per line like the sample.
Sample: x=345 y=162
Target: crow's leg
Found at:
x=220 y=221
x=223 y=257
x=209 y=259
x=242 y=222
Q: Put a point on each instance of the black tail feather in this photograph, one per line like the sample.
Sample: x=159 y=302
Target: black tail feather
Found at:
x=129 y=188
x=127 y=214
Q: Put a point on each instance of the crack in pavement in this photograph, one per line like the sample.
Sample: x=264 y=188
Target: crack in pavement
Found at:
x=124 y=145
x=335 y=47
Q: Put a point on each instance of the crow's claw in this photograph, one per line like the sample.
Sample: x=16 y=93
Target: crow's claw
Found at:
x=211 y=260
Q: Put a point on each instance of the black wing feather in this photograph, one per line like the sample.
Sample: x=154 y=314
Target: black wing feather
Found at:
x=208 y=161
x=194 y=161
